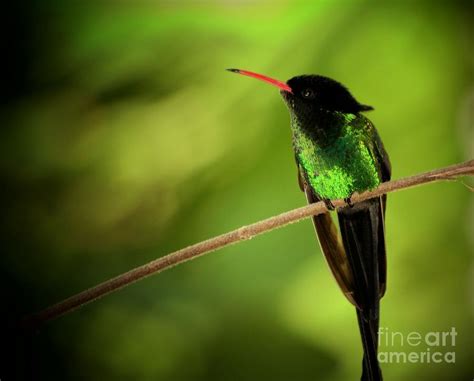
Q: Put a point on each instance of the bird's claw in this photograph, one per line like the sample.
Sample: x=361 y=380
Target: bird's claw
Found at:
x=329 y=204
x=348 y=201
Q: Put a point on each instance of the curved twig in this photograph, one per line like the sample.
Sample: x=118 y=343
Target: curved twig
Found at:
x=230 y=238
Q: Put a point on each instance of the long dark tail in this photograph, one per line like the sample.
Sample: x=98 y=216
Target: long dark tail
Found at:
x=368 y=327
x=362 y=231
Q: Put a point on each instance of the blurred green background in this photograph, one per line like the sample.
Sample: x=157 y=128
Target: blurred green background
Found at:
x=124 y=139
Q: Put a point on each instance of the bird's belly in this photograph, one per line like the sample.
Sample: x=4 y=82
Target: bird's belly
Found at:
x=337 y=172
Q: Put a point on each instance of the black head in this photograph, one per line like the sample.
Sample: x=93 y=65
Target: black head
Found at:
x=308 y=95
x=314 y=93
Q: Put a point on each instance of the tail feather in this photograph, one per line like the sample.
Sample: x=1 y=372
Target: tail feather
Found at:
x=362 y=235
x=368 y=330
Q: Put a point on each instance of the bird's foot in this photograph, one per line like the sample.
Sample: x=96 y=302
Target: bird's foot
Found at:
x=329 y=204
x=348 y=201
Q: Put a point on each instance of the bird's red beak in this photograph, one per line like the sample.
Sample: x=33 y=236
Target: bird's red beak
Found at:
x=271 y=81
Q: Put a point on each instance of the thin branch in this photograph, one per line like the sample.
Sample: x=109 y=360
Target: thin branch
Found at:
x=230 y=238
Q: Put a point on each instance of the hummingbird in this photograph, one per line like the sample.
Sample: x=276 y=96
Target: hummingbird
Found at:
x=338 y=152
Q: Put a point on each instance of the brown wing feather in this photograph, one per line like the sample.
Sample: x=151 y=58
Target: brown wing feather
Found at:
x=331 y=245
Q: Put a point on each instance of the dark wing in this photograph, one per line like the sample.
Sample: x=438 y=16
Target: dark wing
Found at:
x=382 y=156
x=385 y=171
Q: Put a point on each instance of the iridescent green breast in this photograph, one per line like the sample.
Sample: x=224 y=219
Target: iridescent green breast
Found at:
x=344 y=166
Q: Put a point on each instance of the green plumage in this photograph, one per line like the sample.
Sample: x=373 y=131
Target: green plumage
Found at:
x=346 y=164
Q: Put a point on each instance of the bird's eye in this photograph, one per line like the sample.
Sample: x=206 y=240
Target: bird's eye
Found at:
x=308 y=93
